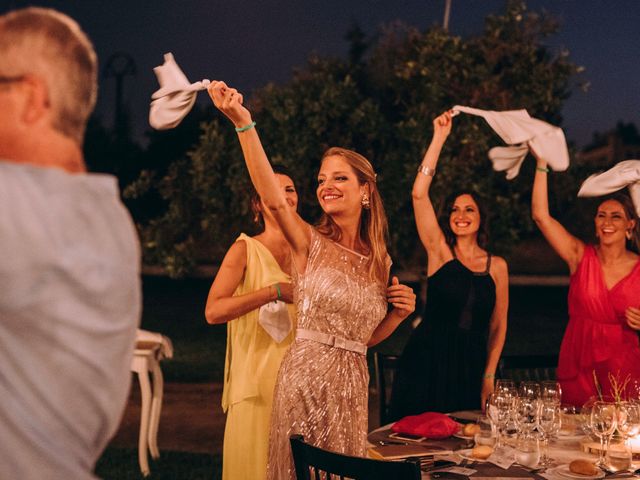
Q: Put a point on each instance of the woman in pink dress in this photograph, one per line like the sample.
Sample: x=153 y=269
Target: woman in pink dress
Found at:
x=340 y=272
x=604 y=294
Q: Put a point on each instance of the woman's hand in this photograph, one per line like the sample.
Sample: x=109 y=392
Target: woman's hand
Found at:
x=487 y=389
x=633 y=317
x=442 y=125
x=229 y=102
x=401 y=297
x=286 y=292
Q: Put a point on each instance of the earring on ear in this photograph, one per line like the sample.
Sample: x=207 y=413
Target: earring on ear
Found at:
x=628 y=234
x=366 y=204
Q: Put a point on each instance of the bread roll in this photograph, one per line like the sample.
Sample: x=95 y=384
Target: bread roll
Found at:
x=470 y=429
x=583 y=467
x=481 y=452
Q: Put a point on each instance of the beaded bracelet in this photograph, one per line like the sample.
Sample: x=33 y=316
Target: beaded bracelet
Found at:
x=278 y=289
x=246 y=127
x=542 y=169
x=489 y=375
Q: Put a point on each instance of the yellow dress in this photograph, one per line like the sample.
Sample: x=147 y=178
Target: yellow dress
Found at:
x=251 y=367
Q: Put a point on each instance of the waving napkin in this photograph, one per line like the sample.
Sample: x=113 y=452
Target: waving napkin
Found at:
x=274 y=318
x=175 y=97
x=522 y=132
x=624 y=174
x=430 y=425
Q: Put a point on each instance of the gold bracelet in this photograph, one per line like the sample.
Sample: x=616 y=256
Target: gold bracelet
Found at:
x=428 y=171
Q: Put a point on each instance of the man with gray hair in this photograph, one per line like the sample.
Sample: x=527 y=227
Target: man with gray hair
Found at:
x=70 y=277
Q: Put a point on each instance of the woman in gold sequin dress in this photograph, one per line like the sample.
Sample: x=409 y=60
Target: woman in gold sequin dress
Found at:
x=340 y=270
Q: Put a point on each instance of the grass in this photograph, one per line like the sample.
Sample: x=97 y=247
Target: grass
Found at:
x=122 y=464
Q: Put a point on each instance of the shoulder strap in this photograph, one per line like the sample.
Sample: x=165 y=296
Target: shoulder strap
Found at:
x=488 y=263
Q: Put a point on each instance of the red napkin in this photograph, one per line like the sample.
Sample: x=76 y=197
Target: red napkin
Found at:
x=430 y=425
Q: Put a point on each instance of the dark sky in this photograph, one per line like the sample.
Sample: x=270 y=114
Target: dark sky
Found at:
x=248 y=43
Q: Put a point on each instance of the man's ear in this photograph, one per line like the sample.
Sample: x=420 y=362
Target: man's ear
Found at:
x=36 y=102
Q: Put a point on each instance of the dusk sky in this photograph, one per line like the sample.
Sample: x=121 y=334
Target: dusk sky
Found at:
x=251 y=42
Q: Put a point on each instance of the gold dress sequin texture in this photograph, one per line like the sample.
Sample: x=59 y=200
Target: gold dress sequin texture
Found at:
x=321 y=390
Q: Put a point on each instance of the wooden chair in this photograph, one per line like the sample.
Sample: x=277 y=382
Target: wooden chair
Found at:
x=385 y=366
x=313 y=463
x=528 y=367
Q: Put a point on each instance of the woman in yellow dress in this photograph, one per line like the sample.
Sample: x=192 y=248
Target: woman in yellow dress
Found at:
x=254 y=274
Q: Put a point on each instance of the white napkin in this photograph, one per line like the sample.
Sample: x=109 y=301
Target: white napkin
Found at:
x=175 y=97
x=623 y=174
x=522 y=133
x=166 y=347
x=274 y=318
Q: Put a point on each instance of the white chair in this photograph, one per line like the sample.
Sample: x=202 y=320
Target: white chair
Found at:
x=150 y=349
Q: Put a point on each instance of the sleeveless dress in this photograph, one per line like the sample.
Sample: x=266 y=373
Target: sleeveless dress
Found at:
x=322 y=387
x=442 y=365
x=251 y=366
x=597 y=336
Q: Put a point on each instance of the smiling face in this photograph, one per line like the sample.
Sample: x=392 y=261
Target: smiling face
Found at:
x=612 y=222
x=339 y=190
x=465 y=216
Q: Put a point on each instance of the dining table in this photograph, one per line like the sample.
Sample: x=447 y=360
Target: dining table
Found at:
x=450 y=458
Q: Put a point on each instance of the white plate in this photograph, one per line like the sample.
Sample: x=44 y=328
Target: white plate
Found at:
x=466 y=454
x=563 y=471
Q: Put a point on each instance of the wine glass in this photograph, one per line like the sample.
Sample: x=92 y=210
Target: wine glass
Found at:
x=525 y=415
x=548 y=426
x=529 y=389
x=500 y=405
x=628 y=424
x=603 y=423
x=550 y=391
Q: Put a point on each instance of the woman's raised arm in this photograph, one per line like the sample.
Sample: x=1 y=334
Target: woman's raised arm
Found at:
x=566 y=245
x=429 y=231
x=295 y=230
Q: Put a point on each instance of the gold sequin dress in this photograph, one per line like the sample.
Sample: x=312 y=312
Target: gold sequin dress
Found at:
x=322 y=386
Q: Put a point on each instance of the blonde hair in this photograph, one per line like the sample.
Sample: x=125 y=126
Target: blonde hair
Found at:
x=373 y=221
x=49 y=44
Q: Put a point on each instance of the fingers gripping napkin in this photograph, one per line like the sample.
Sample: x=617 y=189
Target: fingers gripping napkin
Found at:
x=624 y=174
x=430 y=425
x=175 y=97
x=522 y=133
x=274 y=318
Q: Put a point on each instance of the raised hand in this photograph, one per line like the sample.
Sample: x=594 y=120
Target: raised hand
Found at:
x=401 y=297
x=442 y=125
x=230 y=102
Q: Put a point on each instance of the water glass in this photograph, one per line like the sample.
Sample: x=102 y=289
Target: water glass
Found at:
x=618 y=456
x=550 y=391
x=529 y=390
x=527 y=451
x=487 y=433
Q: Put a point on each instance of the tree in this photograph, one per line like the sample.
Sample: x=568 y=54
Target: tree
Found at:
x=380 y=103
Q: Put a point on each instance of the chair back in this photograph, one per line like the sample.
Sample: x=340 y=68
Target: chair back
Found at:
x=385 y=368
x=313 y=463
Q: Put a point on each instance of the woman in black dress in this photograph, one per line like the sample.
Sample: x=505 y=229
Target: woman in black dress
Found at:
x=450 y=360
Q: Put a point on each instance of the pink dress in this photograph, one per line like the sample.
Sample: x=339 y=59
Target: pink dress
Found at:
x=598 y=337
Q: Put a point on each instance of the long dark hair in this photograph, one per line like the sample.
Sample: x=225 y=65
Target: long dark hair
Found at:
x=633 y=243
x=444 y=214
x=255 y=198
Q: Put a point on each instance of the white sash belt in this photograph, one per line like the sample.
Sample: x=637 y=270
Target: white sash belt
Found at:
x=332 y=340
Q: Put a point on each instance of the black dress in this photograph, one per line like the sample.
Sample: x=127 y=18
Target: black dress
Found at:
x=442 y=366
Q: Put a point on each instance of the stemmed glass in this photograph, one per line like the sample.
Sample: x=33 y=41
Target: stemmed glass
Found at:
x=628 y=424
x=548 y=425
x=525 y=415
x=500 y=406
x=550 y=391
x=603 y=424
x=529 y=389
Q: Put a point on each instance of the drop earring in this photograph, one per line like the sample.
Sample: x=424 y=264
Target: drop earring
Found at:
x=366 y=204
